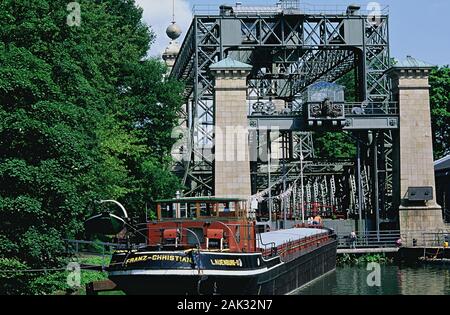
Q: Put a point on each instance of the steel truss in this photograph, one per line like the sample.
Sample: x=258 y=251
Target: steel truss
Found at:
x=288 y=51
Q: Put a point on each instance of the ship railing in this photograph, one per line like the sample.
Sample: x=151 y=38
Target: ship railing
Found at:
x=200 y=238
x=179 y=243
x=292 y=248
x=269 y=250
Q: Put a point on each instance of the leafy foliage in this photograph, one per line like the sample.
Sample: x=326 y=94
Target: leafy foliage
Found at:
x=353 y=259
x=84 y=116
x=335 y=145
x=440 y=110
x=12 y=276
x=338 y=145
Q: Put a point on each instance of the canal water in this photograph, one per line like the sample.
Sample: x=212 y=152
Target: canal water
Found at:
x=394 y=280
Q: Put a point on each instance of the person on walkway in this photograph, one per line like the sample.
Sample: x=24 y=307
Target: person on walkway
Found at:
x=317 y=220
x=353 y=239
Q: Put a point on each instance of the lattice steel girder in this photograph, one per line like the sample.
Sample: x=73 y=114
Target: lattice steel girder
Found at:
x=296 y=123
x=294 y=32
x=322 y=65
x=312 y=168
x=303 y=145
x=291 y=78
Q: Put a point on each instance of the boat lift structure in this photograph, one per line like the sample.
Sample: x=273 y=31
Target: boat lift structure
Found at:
x=291 y=48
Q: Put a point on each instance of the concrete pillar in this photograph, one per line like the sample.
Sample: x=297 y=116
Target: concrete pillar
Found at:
x=415 y=148
x=231 y=150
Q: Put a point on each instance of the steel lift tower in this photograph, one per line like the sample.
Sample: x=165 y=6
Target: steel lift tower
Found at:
x=280 y=54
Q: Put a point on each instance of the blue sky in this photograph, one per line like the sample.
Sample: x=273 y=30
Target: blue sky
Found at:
x=417 y=27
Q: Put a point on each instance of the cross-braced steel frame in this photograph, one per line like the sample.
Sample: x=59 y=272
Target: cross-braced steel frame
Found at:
x=289 y=50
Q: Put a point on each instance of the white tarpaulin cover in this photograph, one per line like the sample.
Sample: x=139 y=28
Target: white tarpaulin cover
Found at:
x=283 y=236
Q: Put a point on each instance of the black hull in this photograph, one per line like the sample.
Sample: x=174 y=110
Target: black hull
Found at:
x=299 y=272
x=279 y=279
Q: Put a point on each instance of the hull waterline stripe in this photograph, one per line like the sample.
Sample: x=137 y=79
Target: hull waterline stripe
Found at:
x=189 y=272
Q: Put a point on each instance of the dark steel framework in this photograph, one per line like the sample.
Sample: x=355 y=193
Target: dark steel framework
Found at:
x=289 y=50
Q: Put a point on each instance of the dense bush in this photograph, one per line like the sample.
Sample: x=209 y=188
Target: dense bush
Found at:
x=84 y=116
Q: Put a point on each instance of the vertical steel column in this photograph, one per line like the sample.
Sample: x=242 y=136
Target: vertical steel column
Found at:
x=302 y=180
x=283 y=152
x=360 y=192
x=382 y=172
x=269 y=173
x=376 y=183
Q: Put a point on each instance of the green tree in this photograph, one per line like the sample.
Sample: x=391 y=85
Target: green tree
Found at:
x=332 y=145
x=440 y=110
x=338 y=144
x=84 y=115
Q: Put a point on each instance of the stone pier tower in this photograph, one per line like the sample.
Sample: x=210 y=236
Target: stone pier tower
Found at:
x=415 y=148
x=231 y=165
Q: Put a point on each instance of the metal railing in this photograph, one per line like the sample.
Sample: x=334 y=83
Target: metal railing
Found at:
x=425 y=239
x=90 y=247
x=86 y=249
x=382 y=239
x=389 y=239
x=371 y=108
x=268 y=249
x=350 y=108
x=154 y=238
x=291 y=6
x=365 y=9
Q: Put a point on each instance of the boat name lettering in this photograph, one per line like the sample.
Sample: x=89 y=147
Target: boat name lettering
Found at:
x=172 y=258
x=180 y=259
x=227 y=262
x=136 y=259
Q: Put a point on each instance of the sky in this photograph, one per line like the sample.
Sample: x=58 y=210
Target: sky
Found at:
x=417 y=27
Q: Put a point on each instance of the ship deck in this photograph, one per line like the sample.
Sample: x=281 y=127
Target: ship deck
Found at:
x=281 y=237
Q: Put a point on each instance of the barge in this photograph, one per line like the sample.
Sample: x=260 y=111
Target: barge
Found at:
x=210 y=246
